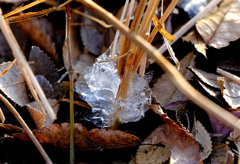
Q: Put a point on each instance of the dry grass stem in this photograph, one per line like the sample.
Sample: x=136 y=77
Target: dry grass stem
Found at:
x=24 y=67
x=30 y=15
x=20 y=9
x=2 y=117
x=115 y=41
x=104 y=24
x=191 y=23
x=26 y=128
x=229 y=75
x=173 y=74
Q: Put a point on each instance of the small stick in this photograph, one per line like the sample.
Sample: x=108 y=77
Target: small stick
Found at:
x=20 y=9
x=2 y=117
x=191 y=23
x=176 y=77
x=24 y=67
x=229 y=75
x=26 y=128
x=70 y=75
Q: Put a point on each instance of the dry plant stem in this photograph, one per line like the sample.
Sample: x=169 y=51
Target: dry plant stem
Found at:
x=29 y=15
x=191 y=23
x=11 y=127
x=172 y=72
x=70 y=75
x=114 y=47
x=228 y=75
x=162 y=19
x=2 y=117
x=20 y=9
x=25 y=127
x=25 y=68
x=92 y=18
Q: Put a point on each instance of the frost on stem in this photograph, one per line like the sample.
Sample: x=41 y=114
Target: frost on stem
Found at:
x=100 y=89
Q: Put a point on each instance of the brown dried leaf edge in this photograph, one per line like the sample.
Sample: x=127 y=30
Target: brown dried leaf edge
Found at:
x=58 y=136
x=184 y=148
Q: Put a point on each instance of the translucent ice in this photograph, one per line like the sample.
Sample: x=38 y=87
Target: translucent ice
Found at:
x=100 y=90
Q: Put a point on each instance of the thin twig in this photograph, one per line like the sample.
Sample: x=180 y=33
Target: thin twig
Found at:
x=173 y=74
x=24 y=67
x=26 y=128
x=20 y=9
x=229 y=75
x=191 y=23
x=2 y=117
x=70 y=75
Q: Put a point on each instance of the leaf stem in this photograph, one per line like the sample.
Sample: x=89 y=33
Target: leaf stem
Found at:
x=70 y=70
x=26 y=128
x=173 y=74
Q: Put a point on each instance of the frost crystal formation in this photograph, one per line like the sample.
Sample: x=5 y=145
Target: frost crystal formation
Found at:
x=100 y=89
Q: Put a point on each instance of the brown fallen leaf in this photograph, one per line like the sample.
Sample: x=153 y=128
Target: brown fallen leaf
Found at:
x=230 y=92
x=40 y=37
x=203 y=137
x=95 y=139
x=222 y=26
x=184 y=148
x=147 y=154
x=197 y=41
x=40 y=119
x=165 y=91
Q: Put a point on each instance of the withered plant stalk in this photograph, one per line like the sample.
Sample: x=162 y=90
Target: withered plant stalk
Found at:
x=70 y=75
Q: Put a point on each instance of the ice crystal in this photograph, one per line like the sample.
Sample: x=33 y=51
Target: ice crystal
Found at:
x=100 y=90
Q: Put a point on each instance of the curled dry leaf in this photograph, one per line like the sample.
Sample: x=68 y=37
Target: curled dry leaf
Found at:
x=202 y=136
x=230 y=92
x=197 y=41
x=165 y=91
x=13 y=84
x=37 y=116
x=184 y=148
x=95 y=139
x=222 y=26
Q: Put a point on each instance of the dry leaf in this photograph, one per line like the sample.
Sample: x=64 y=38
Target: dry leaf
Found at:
x=165 y=91
x=197 y=41
x=91 y=34
x=39 y=37
x=230 y=92
x=184 y=148
x=204 y=139
x=13 y=84
x=46 y=86
x=37 y=116
x=95 y=139
x=42 y=65
x=221 y=26
x=147 y=154
x=235 y=137
x=192 y=7
x=221 y=155
x=208 y=78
